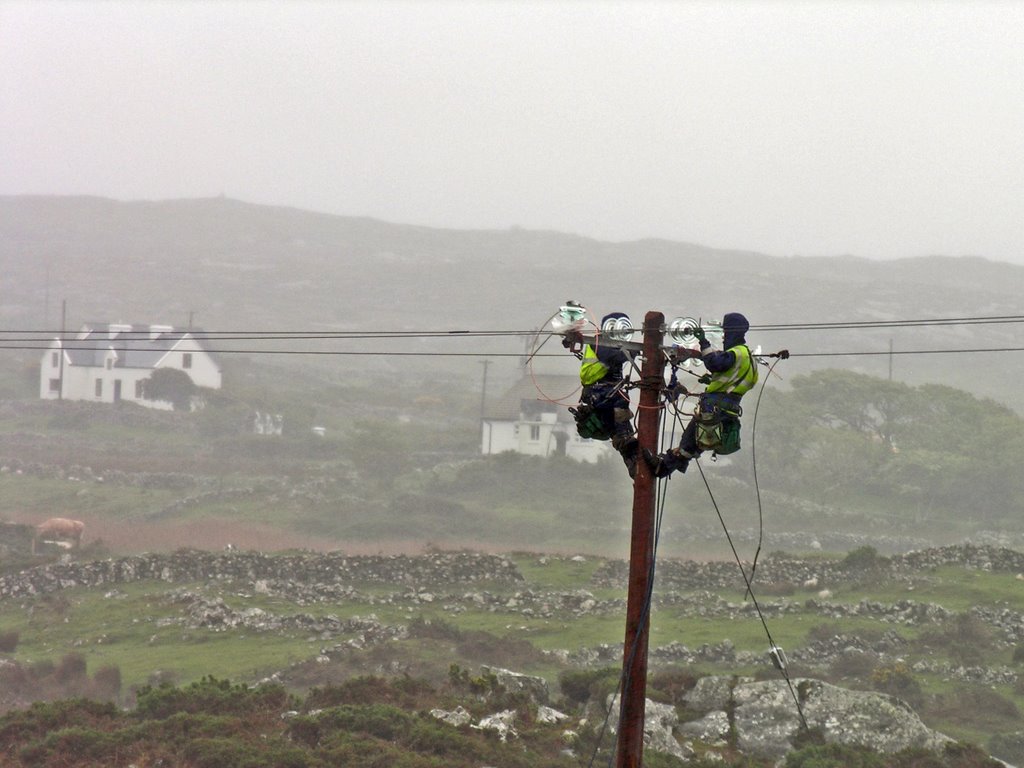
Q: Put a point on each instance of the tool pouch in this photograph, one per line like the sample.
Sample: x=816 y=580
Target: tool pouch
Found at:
x=718 y=431
x=589 y=423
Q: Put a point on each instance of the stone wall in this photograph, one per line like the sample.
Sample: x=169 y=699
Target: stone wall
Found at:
x=331 y=568
x=690 y=575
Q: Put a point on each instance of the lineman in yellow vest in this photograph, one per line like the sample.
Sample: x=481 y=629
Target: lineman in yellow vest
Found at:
x=603 y=412
x=716 y=423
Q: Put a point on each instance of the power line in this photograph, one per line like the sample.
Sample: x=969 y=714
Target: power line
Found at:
x=490 y=353
x=143 y=333
x=135 y=338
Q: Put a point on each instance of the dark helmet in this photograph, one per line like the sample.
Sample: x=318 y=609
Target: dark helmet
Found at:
x=612 y=316
x=735 y=327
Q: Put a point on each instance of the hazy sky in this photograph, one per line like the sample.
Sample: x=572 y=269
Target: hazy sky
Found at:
x=881 y=129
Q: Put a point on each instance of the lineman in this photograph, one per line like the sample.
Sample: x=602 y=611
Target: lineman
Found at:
x=603 y=412
x=715 y=425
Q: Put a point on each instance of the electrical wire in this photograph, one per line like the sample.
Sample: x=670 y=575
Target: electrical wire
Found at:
x=376 y=333
x=753 y=461
x=750 y=591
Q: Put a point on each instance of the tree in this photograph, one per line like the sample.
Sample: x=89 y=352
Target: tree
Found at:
x=171 y=385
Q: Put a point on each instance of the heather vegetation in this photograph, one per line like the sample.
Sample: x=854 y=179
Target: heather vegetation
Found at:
x=366 y=721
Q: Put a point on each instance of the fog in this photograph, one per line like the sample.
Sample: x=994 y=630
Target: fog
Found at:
x=876 y=129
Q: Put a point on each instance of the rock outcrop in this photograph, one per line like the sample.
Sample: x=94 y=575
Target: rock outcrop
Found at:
x=765 y=718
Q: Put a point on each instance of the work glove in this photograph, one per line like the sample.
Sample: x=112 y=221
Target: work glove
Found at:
x=698 y=334
x=783 y=354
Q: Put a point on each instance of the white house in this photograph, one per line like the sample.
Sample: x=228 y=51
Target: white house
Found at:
x=524 y=420
x=107 y=363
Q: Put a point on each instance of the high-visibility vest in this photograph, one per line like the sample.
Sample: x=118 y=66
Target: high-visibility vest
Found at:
x=739 y=379
x=592 y=370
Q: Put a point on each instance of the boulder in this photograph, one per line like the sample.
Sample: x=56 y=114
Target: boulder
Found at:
x=766 y=719
x=458 y=716
x=514 y=682
x=660 y=721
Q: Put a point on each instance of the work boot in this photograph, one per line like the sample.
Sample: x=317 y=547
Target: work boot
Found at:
x=628 y=450
x=664 y=464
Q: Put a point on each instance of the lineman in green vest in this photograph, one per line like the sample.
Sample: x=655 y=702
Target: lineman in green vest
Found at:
x=715 y=425
x=603 y=412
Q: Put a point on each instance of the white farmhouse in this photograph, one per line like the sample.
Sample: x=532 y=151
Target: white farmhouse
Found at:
x=526 y=420
x=107 y=363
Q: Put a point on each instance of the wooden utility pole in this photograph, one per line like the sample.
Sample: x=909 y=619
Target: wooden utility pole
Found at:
x=63 y=337
x=641 y=554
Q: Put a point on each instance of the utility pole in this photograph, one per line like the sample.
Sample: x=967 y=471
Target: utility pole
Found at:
x=483 y=404
x=483 y=389
x=63 y=336
x=641 y=555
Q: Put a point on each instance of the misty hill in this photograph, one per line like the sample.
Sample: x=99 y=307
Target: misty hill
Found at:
x=242 y=267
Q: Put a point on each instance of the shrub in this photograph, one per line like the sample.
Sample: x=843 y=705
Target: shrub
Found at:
x=864 y=560
x=896 y=680
x=209 y=696
x=834 y=756
x=854 y=664
x=579 y=686
x=106 y=682
x=71 y=667
x=407 y=693
x=9 y=641
x=974 y=705
x=965 y=637
x=670 y=685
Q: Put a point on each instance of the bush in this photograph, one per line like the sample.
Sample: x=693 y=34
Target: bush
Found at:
x=209 y=696
x=72 y=667
x=670 y=685
x=579 y=686
x=853 y=665
x=896 y=680
x=106 y=683
x=9 y=641
x=864 y=560
x=965 y=638
x=834 y=756
x=974 y=706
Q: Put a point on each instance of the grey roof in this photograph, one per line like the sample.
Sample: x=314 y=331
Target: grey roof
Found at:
x=137 y=346
x=533 y=395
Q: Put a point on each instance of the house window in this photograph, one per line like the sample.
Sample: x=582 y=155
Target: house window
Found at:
x=99 y=387
x=110 y=363
x=186 y=360
x=535 y=432
x=55 y=360
x=55 y=385
x=138 y=389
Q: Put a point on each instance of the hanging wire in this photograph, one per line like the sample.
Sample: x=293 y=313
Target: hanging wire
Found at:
x=750 y=591
x=753 y=461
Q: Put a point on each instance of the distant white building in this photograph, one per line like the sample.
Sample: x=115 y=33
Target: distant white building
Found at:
x=107 y=363
x=524 y=421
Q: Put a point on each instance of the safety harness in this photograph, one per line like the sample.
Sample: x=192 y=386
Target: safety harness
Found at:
x=718 y=414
